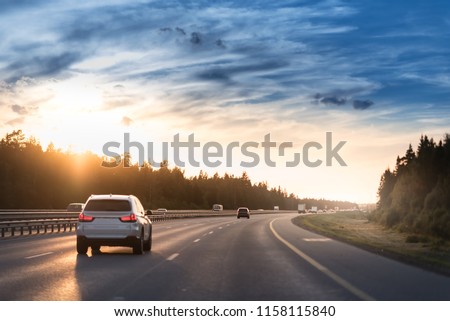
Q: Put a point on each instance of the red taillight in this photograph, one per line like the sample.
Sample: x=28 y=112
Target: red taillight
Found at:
x=85 y=218
x=129 y=218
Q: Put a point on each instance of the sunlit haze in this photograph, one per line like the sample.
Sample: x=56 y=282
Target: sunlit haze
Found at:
x=373 y=73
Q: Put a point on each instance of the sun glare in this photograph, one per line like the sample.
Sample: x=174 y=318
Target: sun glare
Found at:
x=76 y=94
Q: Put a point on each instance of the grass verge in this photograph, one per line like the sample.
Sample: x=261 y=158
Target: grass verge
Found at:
x=356 y=229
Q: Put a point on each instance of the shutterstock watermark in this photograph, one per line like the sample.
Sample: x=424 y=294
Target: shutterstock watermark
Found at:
x=214 y=154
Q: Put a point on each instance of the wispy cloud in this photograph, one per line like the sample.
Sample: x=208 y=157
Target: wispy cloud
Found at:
x=16 y=121
x=362 y=104
x=22 y=110
x=126 y=121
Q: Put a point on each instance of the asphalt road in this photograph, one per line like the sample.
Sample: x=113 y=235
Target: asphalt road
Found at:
x=265 y=257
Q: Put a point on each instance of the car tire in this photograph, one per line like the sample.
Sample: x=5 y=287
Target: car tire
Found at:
x=82 y=246
x=138 y=248
x=148 y=243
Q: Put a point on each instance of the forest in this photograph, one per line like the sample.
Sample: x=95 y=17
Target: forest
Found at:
x=415 y=196
x=31 y=177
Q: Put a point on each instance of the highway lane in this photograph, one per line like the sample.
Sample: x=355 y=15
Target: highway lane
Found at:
x=263 y=258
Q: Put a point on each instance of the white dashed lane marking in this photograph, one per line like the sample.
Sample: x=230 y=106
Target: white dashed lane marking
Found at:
x=38 y=255
x=172 y=257
x=317 y=240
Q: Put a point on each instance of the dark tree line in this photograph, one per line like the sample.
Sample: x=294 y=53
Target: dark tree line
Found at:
x=415 y=197
x=33 y=178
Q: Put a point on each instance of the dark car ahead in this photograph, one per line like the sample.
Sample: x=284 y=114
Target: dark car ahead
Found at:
x=243 y=212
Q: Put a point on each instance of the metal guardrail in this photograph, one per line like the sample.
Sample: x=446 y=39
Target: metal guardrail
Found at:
x=34 y=222
x=21 y=228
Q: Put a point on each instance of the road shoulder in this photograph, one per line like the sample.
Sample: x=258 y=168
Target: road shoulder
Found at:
x=354 y=228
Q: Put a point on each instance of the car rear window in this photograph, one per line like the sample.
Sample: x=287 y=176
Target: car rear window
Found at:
x=108 y=205
x=243 y=210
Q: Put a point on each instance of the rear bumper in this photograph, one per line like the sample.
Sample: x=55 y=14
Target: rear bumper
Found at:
x=115 y=231
x=243 y=215
x=128 y=241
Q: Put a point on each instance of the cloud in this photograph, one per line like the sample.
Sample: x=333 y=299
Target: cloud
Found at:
x=182 y=53
x=330 y=100
x=220 y=44
x=22 y=110
x=5 y=87
x=362 y=104
x=42 y=66
x=16 y=121
x=165 y=29
x=19 y=109
x=180 y=30
x=339 y=101
x=333 y=101
x=196 y=38
x=119 y=25
x=6 y=6
x=276 y=96
x=226 y=73
x=126 y=121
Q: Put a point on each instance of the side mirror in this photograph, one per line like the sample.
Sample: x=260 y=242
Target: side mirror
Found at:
x=149 y=212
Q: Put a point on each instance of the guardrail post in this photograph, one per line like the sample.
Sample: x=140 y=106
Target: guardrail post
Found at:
x=13 y=229
x=30 y=230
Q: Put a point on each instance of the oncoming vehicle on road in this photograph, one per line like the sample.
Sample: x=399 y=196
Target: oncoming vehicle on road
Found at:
x=243 y=212
x=114 y=220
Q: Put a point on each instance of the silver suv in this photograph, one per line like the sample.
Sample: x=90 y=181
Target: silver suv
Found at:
x=114 y=220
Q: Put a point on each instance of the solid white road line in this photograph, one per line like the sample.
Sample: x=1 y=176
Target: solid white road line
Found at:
x=357 y=292
x=38 y=255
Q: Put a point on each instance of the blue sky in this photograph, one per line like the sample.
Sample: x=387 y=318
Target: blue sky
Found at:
x=375 y=73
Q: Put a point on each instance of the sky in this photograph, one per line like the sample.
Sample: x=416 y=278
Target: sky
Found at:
x=374 y=74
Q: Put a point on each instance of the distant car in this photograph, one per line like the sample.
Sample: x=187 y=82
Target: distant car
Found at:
x=162 y=210
x=243 y=212
x=75 y=207
x=114 y=220
x=217 y=207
